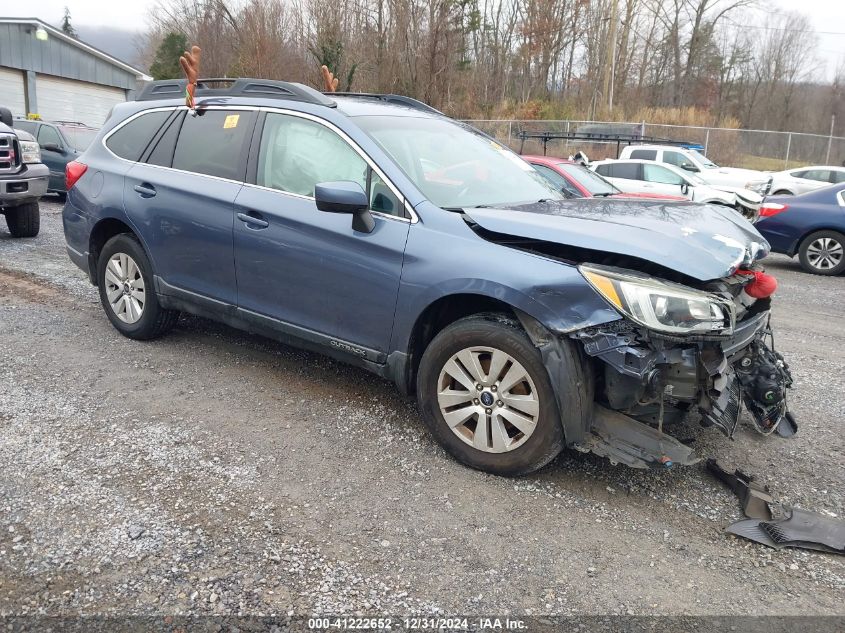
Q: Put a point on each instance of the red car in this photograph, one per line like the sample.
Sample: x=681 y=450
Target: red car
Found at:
x=576 y=181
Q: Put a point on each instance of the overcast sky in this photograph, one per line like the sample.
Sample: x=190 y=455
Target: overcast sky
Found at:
x=828 y=16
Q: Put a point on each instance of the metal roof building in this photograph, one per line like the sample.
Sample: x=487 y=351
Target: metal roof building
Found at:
x=46 y=72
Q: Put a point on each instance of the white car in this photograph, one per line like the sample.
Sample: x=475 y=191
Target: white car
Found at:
x=793 y=182
x=692 y=161
x=646 y=176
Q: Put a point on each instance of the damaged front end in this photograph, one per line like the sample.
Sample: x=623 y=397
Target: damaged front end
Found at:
x=680 y=351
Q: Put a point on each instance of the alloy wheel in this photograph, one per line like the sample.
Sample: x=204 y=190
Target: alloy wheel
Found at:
x=488 y=399
x=125 y=288
x=825 y=253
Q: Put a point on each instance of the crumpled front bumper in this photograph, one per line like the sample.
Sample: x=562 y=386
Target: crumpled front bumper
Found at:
x=647 y=382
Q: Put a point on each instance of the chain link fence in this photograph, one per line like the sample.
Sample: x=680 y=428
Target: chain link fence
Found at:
x=753 y=149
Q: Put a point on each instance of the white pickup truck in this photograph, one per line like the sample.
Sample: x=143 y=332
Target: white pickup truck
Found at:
x=725 y=178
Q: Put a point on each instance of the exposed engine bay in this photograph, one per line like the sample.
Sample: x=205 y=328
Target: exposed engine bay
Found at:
x=659 y=380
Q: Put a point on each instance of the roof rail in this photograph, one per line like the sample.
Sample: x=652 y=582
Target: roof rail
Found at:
x=397 y=99
x=240 y=87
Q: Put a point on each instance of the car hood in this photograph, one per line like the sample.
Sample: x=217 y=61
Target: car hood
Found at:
x=701 y=241
x=738 y=172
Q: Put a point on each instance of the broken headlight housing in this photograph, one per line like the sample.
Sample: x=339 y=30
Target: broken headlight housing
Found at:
x=30 y=152
x=659 y=305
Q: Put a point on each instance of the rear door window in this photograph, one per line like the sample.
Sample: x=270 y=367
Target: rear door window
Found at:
x=822 y=175
x=627 y=171
x=644 y=154
x=838 y=176
x=214 y=143
x=131 y=140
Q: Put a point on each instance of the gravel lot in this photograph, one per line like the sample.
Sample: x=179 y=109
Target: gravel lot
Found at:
x=212 y=472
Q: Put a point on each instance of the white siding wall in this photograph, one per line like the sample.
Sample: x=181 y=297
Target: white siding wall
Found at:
x=69 y=100
x=12 y=90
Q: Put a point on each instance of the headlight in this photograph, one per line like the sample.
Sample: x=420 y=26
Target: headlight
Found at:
x=758 y=186
x=660 y=305
x=30 y=152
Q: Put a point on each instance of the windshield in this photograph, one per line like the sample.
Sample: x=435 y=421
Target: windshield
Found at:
x=709 y=164
x=78 y=137
x=590 y=180
x=454 y=166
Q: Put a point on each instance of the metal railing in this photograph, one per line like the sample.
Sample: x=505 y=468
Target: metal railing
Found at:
x=754 y=149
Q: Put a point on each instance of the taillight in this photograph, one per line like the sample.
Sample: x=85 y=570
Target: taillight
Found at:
x=772 y=208
x=73 y=172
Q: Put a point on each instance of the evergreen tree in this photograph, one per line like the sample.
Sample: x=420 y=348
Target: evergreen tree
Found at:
x=67 y=27
x=166 y=62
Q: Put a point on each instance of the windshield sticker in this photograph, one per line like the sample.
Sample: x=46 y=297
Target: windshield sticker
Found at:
x=231 y=121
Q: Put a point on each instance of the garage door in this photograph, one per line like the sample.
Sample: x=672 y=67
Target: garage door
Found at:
x=11 y=91
x=69 y=100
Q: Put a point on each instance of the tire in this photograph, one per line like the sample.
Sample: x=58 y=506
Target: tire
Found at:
x=823 y=253
x=24 y=220
x=516 y=452
x=137 y=313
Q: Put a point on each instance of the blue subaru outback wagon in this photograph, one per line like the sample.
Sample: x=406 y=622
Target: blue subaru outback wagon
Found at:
x=378 y=231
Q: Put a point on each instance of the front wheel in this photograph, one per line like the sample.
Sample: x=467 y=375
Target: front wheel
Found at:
x=125 y=279
x=823 y=253
x=486 y=397
x=24 y=220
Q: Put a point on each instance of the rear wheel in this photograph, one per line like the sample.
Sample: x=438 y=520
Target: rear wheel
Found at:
x=486 y=397
x=125 y=279
x=823 y=253
x=24 y=220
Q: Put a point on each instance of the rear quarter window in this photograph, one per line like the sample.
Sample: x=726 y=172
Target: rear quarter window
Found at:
x=131 y=140
x=644 y=154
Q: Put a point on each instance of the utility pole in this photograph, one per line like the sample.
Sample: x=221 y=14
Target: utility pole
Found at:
x=830 y=138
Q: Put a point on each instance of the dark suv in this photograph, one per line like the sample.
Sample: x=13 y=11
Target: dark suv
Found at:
x=60 y=142
x=378 y=231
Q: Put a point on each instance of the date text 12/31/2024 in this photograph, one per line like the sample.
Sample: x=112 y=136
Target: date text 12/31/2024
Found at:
x=417 y=624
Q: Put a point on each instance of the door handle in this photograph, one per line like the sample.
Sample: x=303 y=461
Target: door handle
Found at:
x=253 y=220
x=146 y=190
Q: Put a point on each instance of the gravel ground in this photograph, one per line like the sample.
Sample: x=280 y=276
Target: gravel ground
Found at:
x=213 y=472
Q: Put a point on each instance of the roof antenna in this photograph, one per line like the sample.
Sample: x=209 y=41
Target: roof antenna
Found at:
x=190 y=62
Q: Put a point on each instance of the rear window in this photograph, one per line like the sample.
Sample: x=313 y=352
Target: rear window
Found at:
x=26 y=126
x=78 y=137
x=212 y=143
x=131 y=140
x=644 y=154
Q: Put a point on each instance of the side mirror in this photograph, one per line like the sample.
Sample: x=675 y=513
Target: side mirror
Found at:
x=689 y=167
x=6 y=116
x=346 y=197
x=52 y=147
x=684 y=188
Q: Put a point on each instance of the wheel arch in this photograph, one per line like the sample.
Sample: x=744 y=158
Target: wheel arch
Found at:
x=439 y=314
x=796 y=245
x=105 y=229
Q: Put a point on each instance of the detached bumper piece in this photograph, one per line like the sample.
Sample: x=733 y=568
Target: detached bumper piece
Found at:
x=776 y=525
x=807 y=530
x=623 y=439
